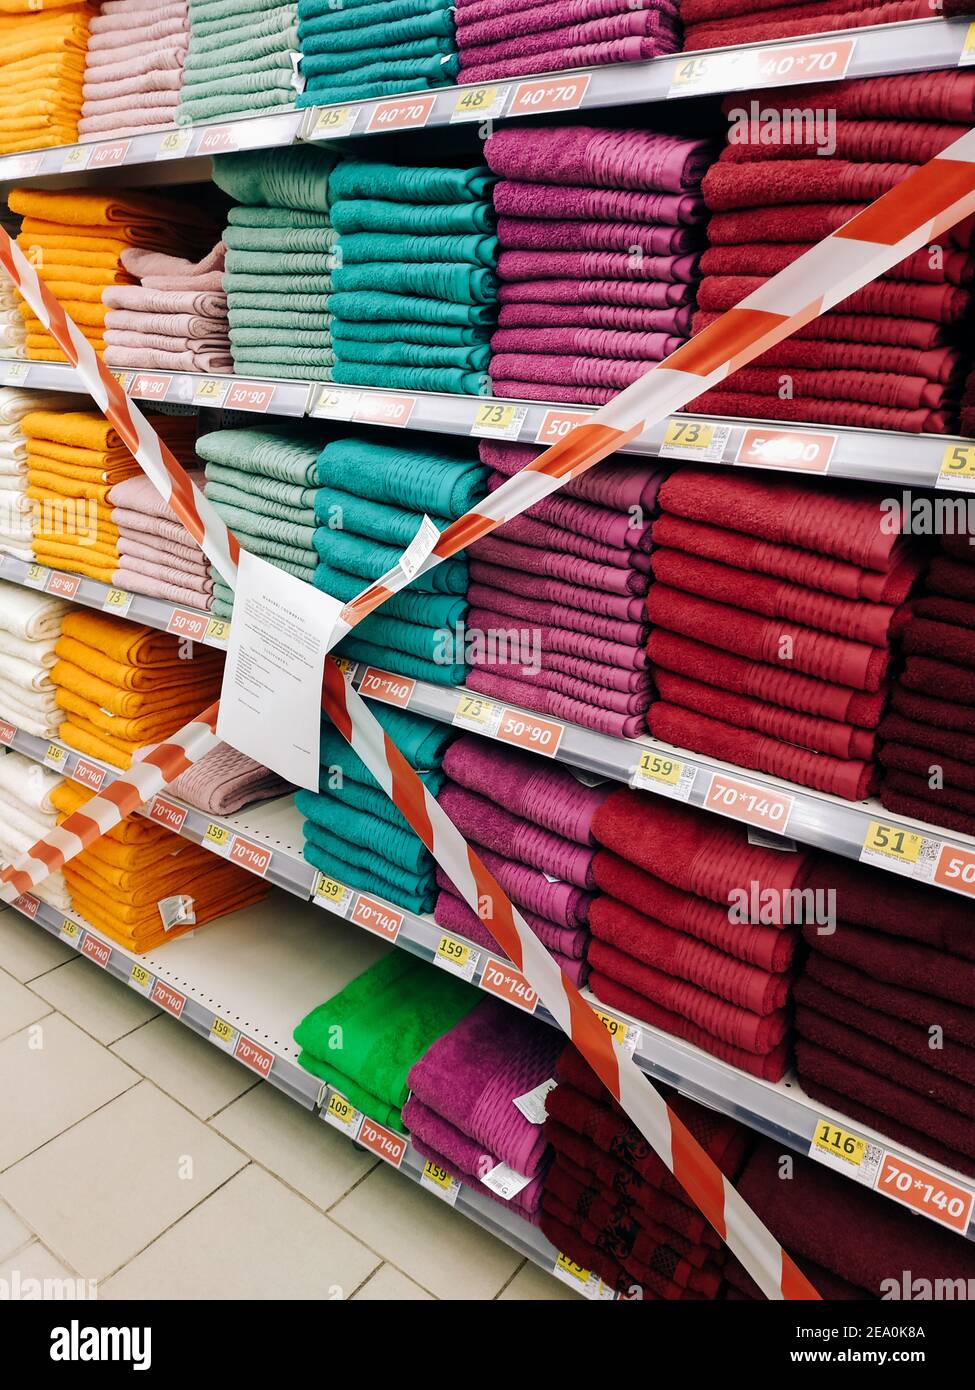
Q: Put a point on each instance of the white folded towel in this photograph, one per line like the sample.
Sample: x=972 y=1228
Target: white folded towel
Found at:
x=29 y=613
x=29 y=782
x=40 y=653
x=27 y=675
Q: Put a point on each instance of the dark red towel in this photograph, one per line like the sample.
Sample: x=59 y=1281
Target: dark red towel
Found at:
x=898 y=961
x=792 y=23
x=859 y=328
x=907 y=795
x=939 y=364
x=889 y=390
x=935 y=713
x=943 y=679
x=769 y=257
x=959 y=545
x=622 y=1276
x=769 y=684
x=827 y=1284
x=953 y=745
x=942 y=304
x=924 y=763
x=728 y=186
x=921 y=1010
x=822 y=409
x=951 y=577
x=866 y=141
x=911 y=96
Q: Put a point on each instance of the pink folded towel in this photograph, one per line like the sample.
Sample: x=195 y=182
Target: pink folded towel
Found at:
x=173 y=531
x=205 y=303
x=574 y=203
x=169 y=82
x=548 y=26
x=604 y=526
x=126 y=123
x=546 y=617
x=482 y=21
x=633 y=50
x=570 y=372
x=566 y=343
x=599 y=158
x=541 y=587
x=137 y=582
x=101 y=101
x=527 y=530
x=189 y=578
x=225 y=781
x=595 y=265
x=494 y=550
x=550 y=702
x=151 y=359
x=142 y=545
x=157 y=271
x=595 y=316
x=118 y=337
x=654 y=294
x=558 y=395
x=505 y=833
x=618 y=482
x=139 y=495
x=539 y=234
x=182 y=326
x=586 y=692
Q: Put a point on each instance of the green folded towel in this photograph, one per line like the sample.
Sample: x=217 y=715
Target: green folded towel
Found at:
x=285 y=240
x=247 y=524
x=367 y=178
x=294 y=177
x=226 y=35
x=241 y=317
x=295 y=559
x=375 y=215
x=287 y=455
x=370 y=560
x=422 y=742
x=373 y=306
x=412 y=605
x=382 y=79
x=269 y=302
x=292 y=495
x=274 y=99
x=466 y=284
x=364 y=247
x=400 y=354
x=450 y=379
x=399 y=847
x=339 y=860
x=281 y=337
x=257 y=509
x=276 y=219
x=421 y=478
x=267 y=52
x=286 y=289
x=281 y=371
x=297 y=357
x=436 y=334
x=277 y=262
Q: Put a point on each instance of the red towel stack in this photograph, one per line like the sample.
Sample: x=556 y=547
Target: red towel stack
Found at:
x=928 y=747
x=884 y=1019
x=771 y=624
x=682 y=937
x=714 y=23
x=610 y=1204
x=894 y=354
x=849 y=1242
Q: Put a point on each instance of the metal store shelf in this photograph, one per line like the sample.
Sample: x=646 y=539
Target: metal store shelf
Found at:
x=905 y=460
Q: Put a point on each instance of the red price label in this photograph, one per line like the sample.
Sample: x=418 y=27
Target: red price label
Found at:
x=184 y=624
x=376 y=917
x=169 y=999
x=7 y=732
x=551 y=94
x=556 y=424
x=63 y=585
x=383 y=685
x=148 y=386
x=88 y=774
x=250 y=396
x=745 y=802
x=508 y=983
x=165 y=813
x=805 y=62
x=108 y=156
x=384 y=410
x=257 y=1058
x=925 y=1192
x=528 y=731
x=382 y=1141
x=955 y=869
x=800 y=450
x=405 y=113
x=255 y=858
x=96 y=950
x=27 y=904
x=217 y=140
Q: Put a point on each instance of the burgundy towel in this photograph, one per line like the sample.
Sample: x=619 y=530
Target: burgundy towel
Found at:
x=924 y=763
x=943 y=304
x=877 y=328
x=865 y=141
x=953 y=578
x=935 y=714
x=907 y=795
x=823 y=409
x=889 y=390
x=623 y=1273
x=631 y=159
x=768 y=258
x=543 y=234
x=727 y=186
x=511 y=835
x=893 y=1001
x=911 y=96
x=939 y=364
x=578 y=203
x=943 y=641
x=897 y=961
x=952 y=610
x=954 y=745
x=787 y=24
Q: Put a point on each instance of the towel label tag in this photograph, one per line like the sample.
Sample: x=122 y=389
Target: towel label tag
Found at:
x=342 y=1114
x=167 y=998
x=528 y=731
x=456 y=957
x=901 y=851
x=824 y=60
x=658 y=772
x=377 y=917
x=333 y=895
x=36 y=577
x=797 y=450
x=501 y=978
x=441 y=1183
x=845 y=1152
x=117 y=601
x=96 y=949
x=695 y=439
x=141 y=979
x=76 y=159
x=406 y=113
x=477 y=714
x=390 y=1147
x=532 y=1103
x=419 y=548
x=582 y=1280
x=7 y=733
x=493 y=421
x=176 y=911
x=957 y=466
x=223 y=1034
x=333 y=122
x=62 y=585
x=384 y=686
x=174 y=144
x=505 y=1182
x=297 y=76
x=551 y=94
x=88 y=774
x=28 y=905
x=556 y=424
x=746 y=802
x=479 y=104
x=925 y=1192
x=334 y=404
x=217 y=140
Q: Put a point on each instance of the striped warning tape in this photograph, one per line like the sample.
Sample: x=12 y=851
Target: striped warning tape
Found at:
x=928 y=202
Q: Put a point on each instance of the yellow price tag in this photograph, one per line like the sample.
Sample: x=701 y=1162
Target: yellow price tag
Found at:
x=222 y=1030
x=329 y=888
x=55 y=756
x=174 y=140
x=688 y=434
x=659 y=768
x=477 y=100
x=959 y=462
x=616 y=1028
x=498 y=417
x=69 y=929
x=453 y=951
x=968 y=51
x=140 y=976
x=839 y=1143
x=474 y=709
x=208 y=388
x=218 y=630
x=437 y=1175
x=893 y=842
x=570 y=1267
x=35 y=574
x=123 y=378
x=218 y=836
x=117 y=598
x=341 y=1112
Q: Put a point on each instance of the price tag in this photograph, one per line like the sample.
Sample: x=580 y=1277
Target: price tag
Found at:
x=36 y=577
x=405 y=113
x=217 y=140
x=218 y=631
x=332 y=403
x=479 y=104
x=550 y=94
x=799 y=451
x=16 y=374
x=441 y=1183
x=88 y=774
x=124 y=379
x=582 y=1280
x=845 y=1152
x=76 y=159
x=256 y=859
x=501 y=978
x=7 y=733
x=713 y=72
x=493 y=421
x=250 y=395
x=183 y=623
x=62 y=585
x=695 y=439
x=556 y=424
x=174 y=144
x=746 y=802
x=253 y=1056
x=384 y=686
x=528 y=731
x=825 y=60
x=901 y=851
x=957 y=467
x=659 y=772
x=141 y=979
x=166 y=813
x=54 y=756
x=334 y=122
x=626 y=1036
x=22 y=167
x=150 y=386
x=70 y=931
x=968 y=48
x=390 y=1147
x=96 y=950
x=478 y=714
x=333 y=895
x=955 y=869
x=342 y=1114
x=217 y=838
x=109 y=156
x=27 y=904
x=117 y=601
x=223 y=1034
x=377 y=917
x=210 y=391
x=168 y=998
x=925 y=1192
x=393 y=411
x=457 y=957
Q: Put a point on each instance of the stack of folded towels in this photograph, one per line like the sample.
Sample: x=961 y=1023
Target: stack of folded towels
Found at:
x=715 y=23
x=374 y=49
x=156 y=554
x=675 y=942
x=16 y=508
x=559 y=594
x=928 y=736
x=174 y=319
x=868 y=1248
x=75 y=240
x=28 y=814
x=463 y=1112
x=884 y=1020
x=353 y=831
x=134 y=68
x=239 y=59
x=415 y=289
x=141 y=885
x=894 y=354
x=74 y=460
x=611 y=1204
x=507 y=38
x=364 y=1040
x=41 y=72
x=599 y=231
x=531 y=824
x=280 y=244
x=225 y=781
x=121 y=686
x=788 y=674
x=370 y=504
x=30 y=624
x=13 y=333
x=262 y=482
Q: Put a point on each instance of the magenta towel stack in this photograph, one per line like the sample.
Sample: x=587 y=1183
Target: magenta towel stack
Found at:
x=174 y=319
x=599 y=233
x=557 y=619
x=157 y=555
x=133 y=67
x=531 y=823
x=512 y=38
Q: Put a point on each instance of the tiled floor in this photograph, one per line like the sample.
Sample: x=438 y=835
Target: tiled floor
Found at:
x=134 y=1154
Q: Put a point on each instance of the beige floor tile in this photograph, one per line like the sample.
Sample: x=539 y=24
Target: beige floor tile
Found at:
x=531 y=1283
x=140 y=1163
x=13 y=1232
x=440 y=1248
x=27 y=950
x=185 y=1066
x=36 y=1262
x=294 y=1144
x=45 y=1089
x=18 y=1005
x=387 y=1285
x=252 y=1239
x=99 y=1003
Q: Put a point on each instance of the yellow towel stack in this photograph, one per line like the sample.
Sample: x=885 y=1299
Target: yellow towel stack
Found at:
x=42 y=68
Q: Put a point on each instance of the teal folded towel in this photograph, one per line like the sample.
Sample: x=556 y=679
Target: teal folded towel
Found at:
x=370 y=560
x=375 y=215
x=367 y=178
x=367 y=800
x=443 y=611
x=294 y=177
x=323 y=57
x=286 y=455
x=436 y=334
x=459 y=283
x=449 y=379
x=400 y=354
x=422 y=742
x=276 y=219
x=361 y=11
x=406 y=665
x=382 y=79
x=420 y=478
x=277 y=262
x=400 y=847
x=286 y=240
x=363 y=247
x=283 y=337
x=414 y=893
x=372 y=305
x=378 y=521
x=404 y=642
x=358 y=37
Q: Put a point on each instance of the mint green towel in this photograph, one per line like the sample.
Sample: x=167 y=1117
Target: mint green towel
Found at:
x=373 y=305
x=281 y=371
x=400 y=354
x=294 y=177
x=404 y=848
x=422 y=742
x=340 y=860
x=412 y=605
x=459 y=283
x=232 y=499
x=240 y=316
x=363 y=247
x=214 y=69
x=287 y=455
x=246 y=523
x=282 y=337
x=310 y=358
x=270 y=101
x=375 y=215
x=450 y=379
x=277 y=262
x=225 y=36
x=440 y=334
x=292 y=495
x=420 y=477
x=207 y=52
x=276 y=219
x=370 y=560
x=269 y=301
x=367 y=178
x=285 y=240
x=286 y=288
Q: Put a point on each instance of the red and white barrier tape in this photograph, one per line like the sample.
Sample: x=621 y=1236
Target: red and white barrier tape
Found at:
x=928 y=202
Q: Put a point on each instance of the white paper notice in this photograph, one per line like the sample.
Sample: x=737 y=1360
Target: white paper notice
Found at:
x=271 y=700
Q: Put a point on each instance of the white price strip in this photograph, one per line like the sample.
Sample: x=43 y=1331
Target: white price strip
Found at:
x=441 y=1183
x=901 y=851
x=845 y=1152
x=695 y=439
x=333 y=895
x=342 y=1114
x=457 y=957
x=477 y=714
x=659 y=772
x=493 y=421
x=479 y=104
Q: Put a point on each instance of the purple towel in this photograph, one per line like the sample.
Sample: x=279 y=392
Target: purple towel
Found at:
x=578 y=21
x=654 y=294
x=588 y=692
x=224 y=781
x=564 y=592
x=631 y=159
x=550 y=702
x=635 y=50
x=537 y=234
x=596 y=265
x=562 y=628
x=594 y=316
x=494 y=550
x=589 y=342
x=526 y=16
x=617 y=530
x=497 y=829
x=568 y=946
x=526 y=530
x=527 y=1204
x=557 y=395
x=514 y=198
x=568 y=373
x=610 y=664
x=560 y=903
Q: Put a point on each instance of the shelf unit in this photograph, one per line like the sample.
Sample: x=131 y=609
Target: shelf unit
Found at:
x=781 y=1110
